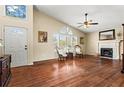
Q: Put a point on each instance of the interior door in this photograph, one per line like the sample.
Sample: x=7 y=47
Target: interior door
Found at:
x=16 y=45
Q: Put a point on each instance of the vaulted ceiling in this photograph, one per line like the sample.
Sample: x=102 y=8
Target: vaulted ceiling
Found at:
x=108 y=16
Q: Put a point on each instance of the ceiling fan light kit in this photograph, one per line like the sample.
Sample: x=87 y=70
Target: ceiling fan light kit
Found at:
x=87 y=22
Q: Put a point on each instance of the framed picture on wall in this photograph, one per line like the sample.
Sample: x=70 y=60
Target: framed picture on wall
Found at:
x=42 y=36
x=107 y=35
x=81 y=40
x=18 y=11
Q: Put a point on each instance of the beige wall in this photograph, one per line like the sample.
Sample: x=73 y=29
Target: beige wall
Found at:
x=42 y=22
x=93 y=39
x=26 y=23
x=92 y=43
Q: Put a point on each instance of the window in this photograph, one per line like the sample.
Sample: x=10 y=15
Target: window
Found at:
x=16 y=11
x=62 y=40
x=65 y=38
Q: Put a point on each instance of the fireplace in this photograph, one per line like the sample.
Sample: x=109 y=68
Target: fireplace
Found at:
x=107 y=52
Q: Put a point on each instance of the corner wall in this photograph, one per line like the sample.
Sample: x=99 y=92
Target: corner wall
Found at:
x=43 y=22
x=93 y=40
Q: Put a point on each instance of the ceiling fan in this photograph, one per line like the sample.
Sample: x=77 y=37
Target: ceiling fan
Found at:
x=87 y=22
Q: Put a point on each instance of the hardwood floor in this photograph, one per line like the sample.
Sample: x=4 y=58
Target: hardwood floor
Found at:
x=86 y=72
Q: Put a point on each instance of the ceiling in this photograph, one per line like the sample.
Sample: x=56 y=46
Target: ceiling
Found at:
x=108 y=16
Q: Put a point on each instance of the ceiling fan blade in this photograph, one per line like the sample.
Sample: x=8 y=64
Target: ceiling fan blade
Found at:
x=80 y=23
x=80 y=26
x=93 y=23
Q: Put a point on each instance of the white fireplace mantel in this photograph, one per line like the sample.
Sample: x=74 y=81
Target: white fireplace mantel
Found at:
x=114 y=44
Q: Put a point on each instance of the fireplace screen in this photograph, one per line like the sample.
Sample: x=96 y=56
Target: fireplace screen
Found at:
x=107 y=52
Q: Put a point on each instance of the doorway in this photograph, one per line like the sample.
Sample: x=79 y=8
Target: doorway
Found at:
x=16 y=45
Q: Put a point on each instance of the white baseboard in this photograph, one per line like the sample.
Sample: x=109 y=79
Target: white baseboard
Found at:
x=45 y=59
x=30 y=63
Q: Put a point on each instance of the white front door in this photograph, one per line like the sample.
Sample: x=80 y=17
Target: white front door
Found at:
x=16 y=45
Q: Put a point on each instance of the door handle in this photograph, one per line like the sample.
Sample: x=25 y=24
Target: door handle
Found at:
x=26 y=47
